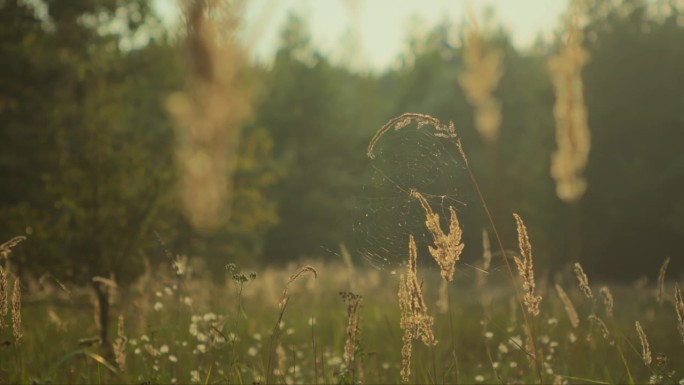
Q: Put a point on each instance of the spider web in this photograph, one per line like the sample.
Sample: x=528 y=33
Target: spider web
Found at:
x=385 y=214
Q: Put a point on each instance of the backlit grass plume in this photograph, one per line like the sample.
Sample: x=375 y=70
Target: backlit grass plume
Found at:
x=645 y=347
x=573 y=137
x=415 y=322
x=679 y=307
x=448 y=246
x=661 y=280
x=583 y=281
x=526 y=267
x=4 y=296
x=607 y=300
x=483 y=70
x=16 y=311
x=210 y=110
x=569 y=307
x=353 y=302
x=6 y=248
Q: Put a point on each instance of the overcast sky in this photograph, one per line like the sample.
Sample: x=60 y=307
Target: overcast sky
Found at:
x=382 y=26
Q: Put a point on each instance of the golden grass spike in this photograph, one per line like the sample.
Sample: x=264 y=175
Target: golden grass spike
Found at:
x=526 y=267
x=404 y=120
x=353 y=302
x=573 y=137
x=16 y=311
x=679 y=307
x=415 y=322
x=661 y=280
x=645 y=347
x=303 y=270
x=569 y=307
x=119 y=345
x=483 y=71
x=448 y=246
x=607 y=300
x=583 y=281
x=4 y=296
x=405 y=324
x=602 y=325
x=6 y=248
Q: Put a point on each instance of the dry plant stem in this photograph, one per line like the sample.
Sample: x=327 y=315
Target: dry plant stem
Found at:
x=282 y=306
x=583 y=281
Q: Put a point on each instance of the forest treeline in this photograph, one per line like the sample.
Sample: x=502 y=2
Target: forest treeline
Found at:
x=87 y=146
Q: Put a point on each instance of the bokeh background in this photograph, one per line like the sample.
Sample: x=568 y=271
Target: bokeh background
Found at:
x=125 y=132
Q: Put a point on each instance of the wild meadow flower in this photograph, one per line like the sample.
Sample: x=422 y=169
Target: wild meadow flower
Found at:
x=194 y=376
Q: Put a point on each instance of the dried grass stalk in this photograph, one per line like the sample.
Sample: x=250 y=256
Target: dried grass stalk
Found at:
x=210 y=110
x=4 y=297
x=526 y=267
x=645 y=347
x=679 y=307
x=483 y=71
x=583 y=281
x=602 y=325
x=119 y=345
x=405 y=119
x=448 y=246
x=486 y=259
x=661 y=280
x=572 y=130
x=607 y=300
x=302 y=270
x=16 y=311
x=405 y=324
x=569 y=307
x=353 y=302
x=415 y=322
x=6 y=248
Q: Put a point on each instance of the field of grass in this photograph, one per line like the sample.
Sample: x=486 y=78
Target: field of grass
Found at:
x=184 y=329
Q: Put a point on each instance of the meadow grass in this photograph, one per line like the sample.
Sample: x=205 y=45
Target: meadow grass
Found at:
x=190 y=330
